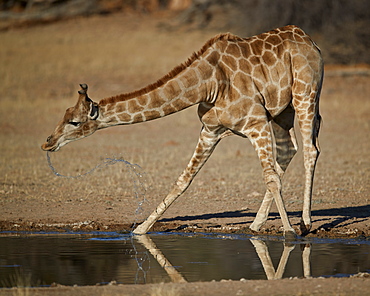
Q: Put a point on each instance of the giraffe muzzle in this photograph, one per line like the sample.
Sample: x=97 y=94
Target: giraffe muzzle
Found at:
x=47 y=146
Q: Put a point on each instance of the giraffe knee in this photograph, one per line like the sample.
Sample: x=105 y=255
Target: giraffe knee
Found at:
x=273 y=182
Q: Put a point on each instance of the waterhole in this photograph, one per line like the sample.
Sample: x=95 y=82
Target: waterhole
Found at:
x=42 y=259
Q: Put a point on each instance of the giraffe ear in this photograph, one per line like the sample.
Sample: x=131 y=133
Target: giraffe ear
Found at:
x=83 y=93
x=94 y=110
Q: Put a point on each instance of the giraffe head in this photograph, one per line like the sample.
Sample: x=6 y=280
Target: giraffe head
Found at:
x=78 y=122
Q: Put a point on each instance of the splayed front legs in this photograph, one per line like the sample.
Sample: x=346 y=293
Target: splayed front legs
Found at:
x=206 y=144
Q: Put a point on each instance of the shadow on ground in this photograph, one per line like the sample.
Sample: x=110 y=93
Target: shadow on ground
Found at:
x=334 y=216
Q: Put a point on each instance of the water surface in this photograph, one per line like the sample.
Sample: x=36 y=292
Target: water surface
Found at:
x=88 y=259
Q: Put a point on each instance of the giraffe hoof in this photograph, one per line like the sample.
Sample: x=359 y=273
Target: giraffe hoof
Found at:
x=290 y=235
x=254 y=228
x=140 y=230
x=84 y=86
x=305 y=228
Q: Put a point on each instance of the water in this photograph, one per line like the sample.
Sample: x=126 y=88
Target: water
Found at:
x=88 y=259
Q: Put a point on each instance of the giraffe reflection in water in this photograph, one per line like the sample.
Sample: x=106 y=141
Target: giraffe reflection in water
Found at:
x=172 y=272
x=261 y=250
x=268 y=266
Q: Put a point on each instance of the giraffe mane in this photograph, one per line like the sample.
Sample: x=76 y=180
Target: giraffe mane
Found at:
x=172 y=73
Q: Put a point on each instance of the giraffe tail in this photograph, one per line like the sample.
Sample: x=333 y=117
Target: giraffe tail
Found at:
x=318 y=118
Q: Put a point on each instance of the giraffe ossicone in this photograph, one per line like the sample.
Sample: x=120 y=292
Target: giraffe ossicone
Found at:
x=252 y=87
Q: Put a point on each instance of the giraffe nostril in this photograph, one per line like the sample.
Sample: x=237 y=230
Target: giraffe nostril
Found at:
x=48 y=139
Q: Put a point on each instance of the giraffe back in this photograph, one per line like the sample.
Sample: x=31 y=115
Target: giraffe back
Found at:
x=262 y=69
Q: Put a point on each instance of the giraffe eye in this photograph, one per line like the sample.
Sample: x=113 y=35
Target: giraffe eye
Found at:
x=75 y=123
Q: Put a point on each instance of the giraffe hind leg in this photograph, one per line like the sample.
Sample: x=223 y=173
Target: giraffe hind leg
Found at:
x=286 y=148
x=309 y=122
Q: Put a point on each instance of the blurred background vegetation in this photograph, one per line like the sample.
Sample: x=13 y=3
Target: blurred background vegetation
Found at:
x=340 y=27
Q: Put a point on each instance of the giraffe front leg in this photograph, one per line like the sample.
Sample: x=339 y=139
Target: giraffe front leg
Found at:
x=206 y=144
x=263 y=212
x=273 y=184
x=286 y=148
x=158 y=212
x=261 y=138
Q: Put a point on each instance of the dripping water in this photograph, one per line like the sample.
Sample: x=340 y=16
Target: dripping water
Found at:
x=137 y=175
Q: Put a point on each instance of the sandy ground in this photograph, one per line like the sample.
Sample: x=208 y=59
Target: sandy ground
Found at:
x=329 y=287
x=41 y=69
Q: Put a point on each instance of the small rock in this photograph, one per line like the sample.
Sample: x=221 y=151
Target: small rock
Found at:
x=361 y=275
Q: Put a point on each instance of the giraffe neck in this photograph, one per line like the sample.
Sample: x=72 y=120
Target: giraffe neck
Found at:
x=190 y=86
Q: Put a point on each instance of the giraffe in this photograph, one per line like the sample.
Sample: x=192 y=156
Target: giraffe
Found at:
x=251 y=87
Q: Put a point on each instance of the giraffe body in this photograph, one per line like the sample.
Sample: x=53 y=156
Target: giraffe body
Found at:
x=251 y=87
